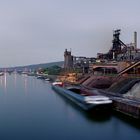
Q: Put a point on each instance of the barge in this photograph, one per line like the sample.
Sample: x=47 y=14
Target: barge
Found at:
x=84 y=99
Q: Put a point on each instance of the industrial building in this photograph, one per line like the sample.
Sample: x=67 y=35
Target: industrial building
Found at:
x=119 y=57
x=121 y=51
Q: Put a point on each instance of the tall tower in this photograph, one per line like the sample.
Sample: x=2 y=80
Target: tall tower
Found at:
x=135 y=40
x=68 y=60
x=116 y=48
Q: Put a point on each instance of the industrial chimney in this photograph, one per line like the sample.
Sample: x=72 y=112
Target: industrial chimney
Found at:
x=135 y=40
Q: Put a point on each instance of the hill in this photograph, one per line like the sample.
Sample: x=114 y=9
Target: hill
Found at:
x=36 y=66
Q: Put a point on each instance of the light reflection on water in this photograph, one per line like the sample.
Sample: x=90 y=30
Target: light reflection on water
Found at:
x=31 y=110
x=3 y=82
x=15 y=80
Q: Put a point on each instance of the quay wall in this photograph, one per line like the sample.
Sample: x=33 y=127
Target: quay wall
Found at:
x=127 y=106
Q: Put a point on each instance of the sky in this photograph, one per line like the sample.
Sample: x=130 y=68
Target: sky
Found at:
x=38 y=31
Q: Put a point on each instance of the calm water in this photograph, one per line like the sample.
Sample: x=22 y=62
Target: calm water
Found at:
x=31 y=110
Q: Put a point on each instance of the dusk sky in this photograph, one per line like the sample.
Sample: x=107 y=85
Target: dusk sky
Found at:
x=38 y=31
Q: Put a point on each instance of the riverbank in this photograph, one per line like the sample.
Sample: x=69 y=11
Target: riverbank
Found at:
x=118 y=89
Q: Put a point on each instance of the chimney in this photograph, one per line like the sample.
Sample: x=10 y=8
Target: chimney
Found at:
x=135 y=40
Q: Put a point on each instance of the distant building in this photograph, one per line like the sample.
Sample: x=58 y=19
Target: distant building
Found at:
x=129 y=53
x=121 y=51
x=77 y=62
x=68 y=60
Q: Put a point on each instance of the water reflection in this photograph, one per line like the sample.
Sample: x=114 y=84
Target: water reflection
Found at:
x=92 y=116
x=15 y=80
x=25 y=83
x=5 y=82
x=128 y=120
x=1 y=80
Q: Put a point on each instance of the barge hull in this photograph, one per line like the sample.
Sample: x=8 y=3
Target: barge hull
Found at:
x=79 y=100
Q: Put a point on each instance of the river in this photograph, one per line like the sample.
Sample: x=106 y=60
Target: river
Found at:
x=31 y=110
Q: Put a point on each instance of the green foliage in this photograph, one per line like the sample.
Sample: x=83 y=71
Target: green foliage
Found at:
x=53 y=70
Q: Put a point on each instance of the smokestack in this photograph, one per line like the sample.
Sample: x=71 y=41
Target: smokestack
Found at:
x=135 y=40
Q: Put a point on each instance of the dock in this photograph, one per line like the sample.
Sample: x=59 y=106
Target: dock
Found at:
x=125 y=105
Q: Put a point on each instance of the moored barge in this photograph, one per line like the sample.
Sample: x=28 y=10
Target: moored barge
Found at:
x=84 y=99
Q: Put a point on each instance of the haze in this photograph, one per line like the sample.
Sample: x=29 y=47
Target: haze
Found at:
x=38 y=31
